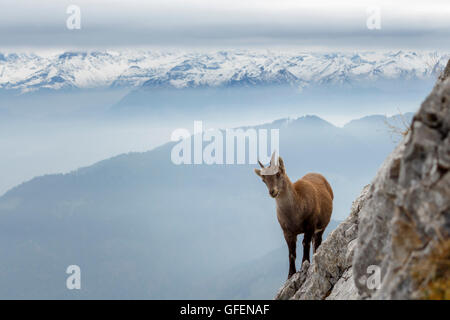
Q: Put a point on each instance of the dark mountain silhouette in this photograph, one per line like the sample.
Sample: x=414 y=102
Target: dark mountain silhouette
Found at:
x=140 y=226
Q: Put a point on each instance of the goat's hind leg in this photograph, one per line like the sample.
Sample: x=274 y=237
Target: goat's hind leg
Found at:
x=307 y=237
x=317 y=240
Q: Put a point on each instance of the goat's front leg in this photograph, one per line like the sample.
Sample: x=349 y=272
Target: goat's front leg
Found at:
x=291 y=240
x=306 y=245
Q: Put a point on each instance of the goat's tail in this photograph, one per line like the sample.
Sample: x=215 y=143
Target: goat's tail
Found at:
x=327 y=185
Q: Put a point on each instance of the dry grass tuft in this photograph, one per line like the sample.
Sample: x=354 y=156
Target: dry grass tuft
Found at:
x=398 y=130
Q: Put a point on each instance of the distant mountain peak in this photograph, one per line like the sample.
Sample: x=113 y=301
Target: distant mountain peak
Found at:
x=149 y=69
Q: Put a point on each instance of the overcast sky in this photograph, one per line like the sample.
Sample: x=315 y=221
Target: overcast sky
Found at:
x=409 y=24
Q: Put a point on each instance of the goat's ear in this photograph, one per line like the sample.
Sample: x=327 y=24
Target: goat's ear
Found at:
x=281 y=164
x=258 y=172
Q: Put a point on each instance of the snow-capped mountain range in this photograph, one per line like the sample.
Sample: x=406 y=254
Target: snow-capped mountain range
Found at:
x=29 y=71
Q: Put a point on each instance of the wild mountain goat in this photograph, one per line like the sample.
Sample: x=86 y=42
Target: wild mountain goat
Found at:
x=302 y=207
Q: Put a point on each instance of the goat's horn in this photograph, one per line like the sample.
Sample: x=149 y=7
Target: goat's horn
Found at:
x=272 y=160
x=260 y=164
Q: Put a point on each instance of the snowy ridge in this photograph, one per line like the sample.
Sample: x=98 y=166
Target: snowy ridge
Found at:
x=29 y=72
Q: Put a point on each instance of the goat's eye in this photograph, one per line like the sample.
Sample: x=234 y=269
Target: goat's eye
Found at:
x=278 y=174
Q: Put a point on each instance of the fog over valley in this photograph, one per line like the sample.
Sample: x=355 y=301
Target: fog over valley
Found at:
x=87 y=173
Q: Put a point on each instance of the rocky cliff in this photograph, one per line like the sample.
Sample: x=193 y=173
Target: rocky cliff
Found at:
x=395 y=243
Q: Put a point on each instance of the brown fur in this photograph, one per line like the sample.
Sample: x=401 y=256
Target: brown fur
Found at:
x=302 y=207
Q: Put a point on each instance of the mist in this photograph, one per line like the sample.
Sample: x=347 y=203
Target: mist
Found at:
x=49 y=132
